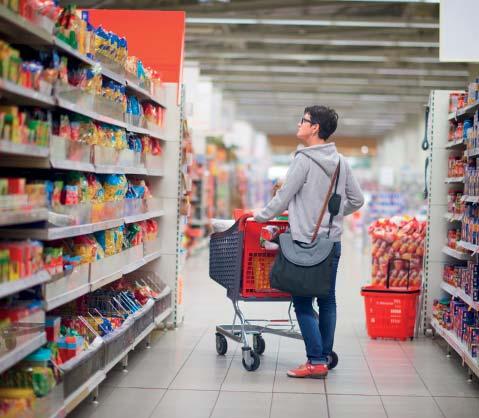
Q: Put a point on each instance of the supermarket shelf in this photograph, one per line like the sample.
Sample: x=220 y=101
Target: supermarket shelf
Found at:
x=9 y=288
x=73 y=165
x=468 y=246
x=105 y=280
x=23 y=350
x=156 y=172
x=144 y=216
x=459 y=293
x=25 y=150
x=454 y=217
x=17 y=217
x=66 y=297
x=474 y=152
x=72 y=107
x=456 y=143
x=83 y=391
x=143 y=335
x=457 y=345
x=50 y=234
x=161 y=317
x=113 y=223
x=166 y=291
x=134 y=266
x=464 y=112
x=113 y=75
x=152 y=256
x=142 y=171
x=144 y=94
x=25 y=31
x=64 y=47
x=455 y=254
x=454 y=180
x=27 y=96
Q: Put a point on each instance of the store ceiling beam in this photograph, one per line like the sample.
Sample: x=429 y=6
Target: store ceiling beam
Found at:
x=241 y=38
x=212 y=56
x=324 y=87
x=398 y=24
x=454 y=70
x=362 y=95
x=298 y=79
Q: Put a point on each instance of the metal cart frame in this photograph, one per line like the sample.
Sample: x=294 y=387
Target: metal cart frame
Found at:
x=226 y=268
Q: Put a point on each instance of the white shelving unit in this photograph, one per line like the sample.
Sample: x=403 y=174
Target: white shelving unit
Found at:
x=440 y=221
x=160 y=257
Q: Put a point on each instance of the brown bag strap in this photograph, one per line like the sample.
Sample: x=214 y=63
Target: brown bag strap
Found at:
x=326 y=201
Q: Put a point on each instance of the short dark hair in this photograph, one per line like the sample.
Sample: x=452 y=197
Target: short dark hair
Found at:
x=326 y=117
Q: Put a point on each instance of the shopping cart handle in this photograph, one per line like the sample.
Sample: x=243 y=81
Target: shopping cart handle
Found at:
x=242 y=220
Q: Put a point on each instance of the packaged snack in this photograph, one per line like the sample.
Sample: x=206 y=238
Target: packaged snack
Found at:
x=86 y=247
x=79 y=180
x=96 y=194
x=115 y=186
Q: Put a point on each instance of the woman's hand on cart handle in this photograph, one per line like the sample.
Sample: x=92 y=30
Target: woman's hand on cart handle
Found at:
x=255 y=213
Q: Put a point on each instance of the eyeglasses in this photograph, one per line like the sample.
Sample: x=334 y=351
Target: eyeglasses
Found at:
x=302 y=120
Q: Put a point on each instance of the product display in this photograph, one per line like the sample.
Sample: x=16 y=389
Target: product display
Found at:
x=24 y=126
x=20 y=259
x=21 y=193
x=464 y=277
x=456 y=316
x=35 y=75
x=65 y=101
x=400 y=242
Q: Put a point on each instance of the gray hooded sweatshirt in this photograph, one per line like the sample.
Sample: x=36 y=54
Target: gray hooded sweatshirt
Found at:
x=304 y=192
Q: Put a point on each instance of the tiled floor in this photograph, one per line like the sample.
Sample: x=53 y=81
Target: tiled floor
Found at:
x=182 y=376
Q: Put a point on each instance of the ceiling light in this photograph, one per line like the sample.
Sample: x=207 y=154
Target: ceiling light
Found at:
x=310 y=22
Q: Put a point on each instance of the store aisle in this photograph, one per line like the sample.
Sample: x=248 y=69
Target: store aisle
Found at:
x=182 y=376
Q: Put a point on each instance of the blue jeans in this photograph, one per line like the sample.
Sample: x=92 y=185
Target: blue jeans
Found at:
x=318 y=335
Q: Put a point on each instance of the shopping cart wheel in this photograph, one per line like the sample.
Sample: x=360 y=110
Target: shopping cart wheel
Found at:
x=221 y=344
x=333 y=360
x=259 y=344
x=251 y=359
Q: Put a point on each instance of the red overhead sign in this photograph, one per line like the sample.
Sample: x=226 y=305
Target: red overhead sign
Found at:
x=155 y=37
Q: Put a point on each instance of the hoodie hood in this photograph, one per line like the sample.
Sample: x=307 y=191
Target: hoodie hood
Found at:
x=326 y=155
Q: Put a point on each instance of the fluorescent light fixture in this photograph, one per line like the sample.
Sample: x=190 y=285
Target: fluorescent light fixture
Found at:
x=308 y=41
x=310 y=22
x=418 y=72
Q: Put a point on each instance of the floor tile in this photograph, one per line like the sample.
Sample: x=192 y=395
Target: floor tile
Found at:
x=123 y=403
x=347 y=406
x=287 y=405
x=261 y=380
x=459 y=407
x=339 y=383
x=186 y=403
x=202 y=372
x=411 y=407
x=242 y=405
x=401 y=385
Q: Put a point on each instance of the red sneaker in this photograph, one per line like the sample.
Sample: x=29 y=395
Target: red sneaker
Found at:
x=313 y=371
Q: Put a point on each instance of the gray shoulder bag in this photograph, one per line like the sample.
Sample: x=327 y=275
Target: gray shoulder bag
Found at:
x=305 y=269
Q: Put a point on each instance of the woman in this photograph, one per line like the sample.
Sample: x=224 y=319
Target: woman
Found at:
x=303 y=194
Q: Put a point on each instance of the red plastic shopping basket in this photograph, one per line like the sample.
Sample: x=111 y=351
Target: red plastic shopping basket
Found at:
x=257 y=262
x=390 y=312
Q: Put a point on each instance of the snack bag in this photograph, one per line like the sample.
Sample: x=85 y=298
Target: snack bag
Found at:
x=268 y=234
x=86 y=247
x=96 y=193
x=115 y=186
x=79 y=180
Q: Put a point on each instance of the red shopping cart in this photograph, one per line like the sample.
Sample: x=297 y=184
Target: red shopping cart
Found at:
x=242 y=266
